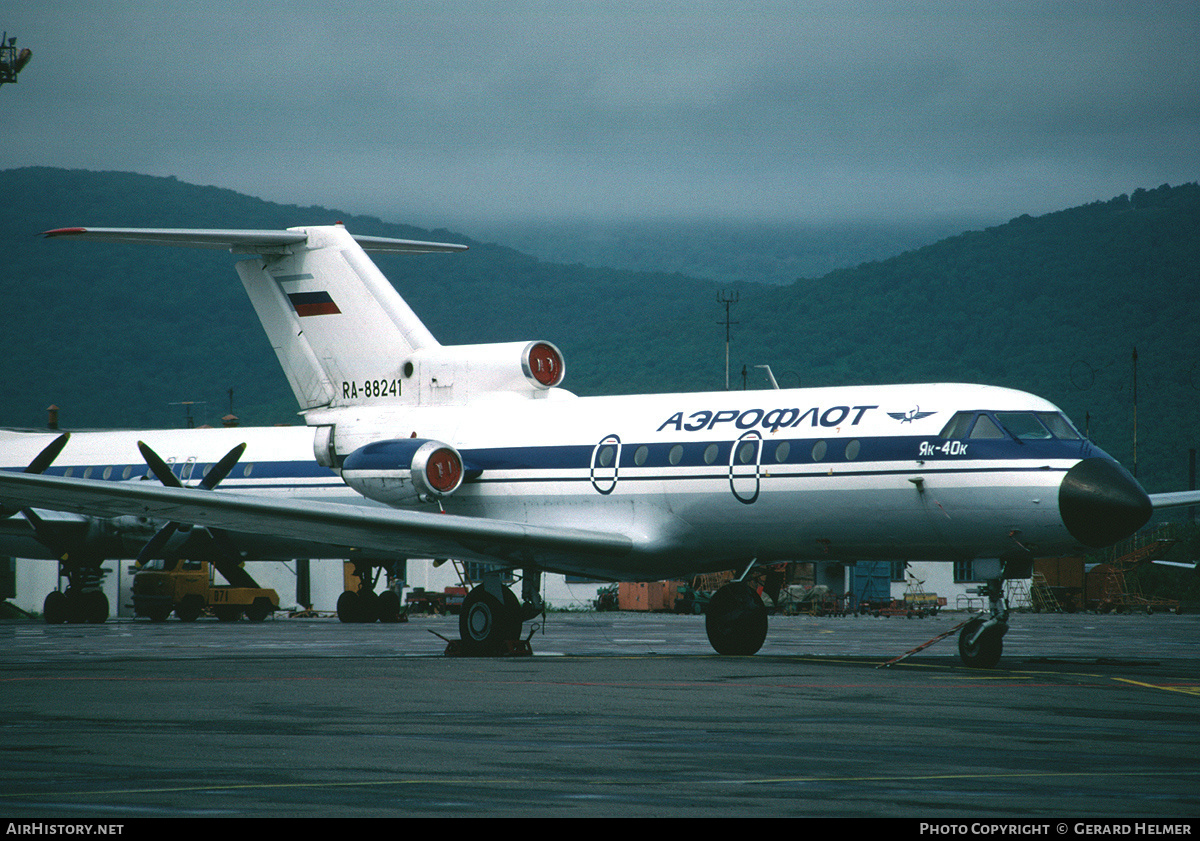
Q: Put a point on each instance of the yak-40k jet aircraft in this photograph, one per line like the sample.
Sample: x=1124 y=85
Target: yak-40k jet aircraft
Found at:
x=474 y=452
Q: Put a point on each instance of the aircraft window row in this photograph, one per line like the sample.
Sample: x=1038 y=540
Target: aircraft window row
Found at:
x=109 y=471
x=745 y=452
x=1024 y=426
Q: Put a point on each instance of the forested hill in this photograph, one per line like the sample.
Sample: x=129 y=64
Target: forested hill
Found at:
x=117 y=334
x=1055 y=305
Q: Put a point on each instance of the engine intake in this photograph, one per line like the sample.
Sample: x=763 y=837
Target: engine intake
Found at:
x=404 y=471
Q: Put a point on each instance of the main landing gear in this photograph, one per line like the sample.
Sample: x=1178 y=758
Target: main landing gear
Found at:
x=82 y=601
x=360 y=603
x=492 y=616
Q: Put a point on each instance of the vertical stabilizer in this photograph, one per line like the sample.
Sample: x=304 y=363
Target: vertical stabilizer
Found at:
x=337 y=325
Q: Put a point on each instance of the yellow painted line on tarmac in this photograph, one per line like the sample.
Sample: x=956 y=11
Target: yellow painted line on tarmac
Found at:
x=1186 y=689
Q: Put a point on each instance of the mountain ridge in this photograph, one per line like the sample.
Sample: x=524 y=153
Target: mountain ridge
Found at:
x=120 y=335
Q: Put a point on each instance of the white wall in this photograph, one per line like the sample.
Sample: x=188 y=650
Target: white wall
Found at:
x=36 y=578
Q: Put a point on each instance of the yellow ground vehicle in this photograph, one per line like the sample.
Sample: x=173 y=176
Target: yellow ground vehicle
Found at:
x=187 y=588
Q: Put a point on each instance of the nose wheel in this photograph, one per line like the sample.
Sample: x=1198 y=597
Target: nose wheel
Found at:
x=981 y=641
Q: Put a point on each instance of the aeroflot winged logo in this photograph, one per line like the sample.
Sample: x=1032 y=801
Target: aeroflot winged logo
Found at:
x=313 y=303
x=911 y=415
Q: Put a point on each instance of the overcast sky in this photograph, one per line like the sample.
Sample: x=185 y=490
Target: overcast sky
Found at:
x=433 y=113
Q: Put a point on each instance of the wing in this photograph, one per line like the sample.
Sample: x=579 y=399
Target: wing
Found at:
x=420 y=534
x=241 y=241
x=1175 y=499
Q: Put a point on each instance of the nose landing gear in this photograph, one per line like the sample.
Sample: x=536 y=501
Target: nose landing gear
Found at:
x=981 y=641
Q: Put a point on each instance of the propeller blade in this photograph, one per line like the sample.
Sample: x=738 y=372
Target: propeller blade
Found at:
x=39 y=464
x=159 y=467
x=154 y=547
x=47 y=456
x=221 y=469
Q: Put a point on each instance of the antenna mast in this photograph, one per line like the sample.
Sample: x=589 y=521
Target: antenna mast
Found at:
x=728 y=299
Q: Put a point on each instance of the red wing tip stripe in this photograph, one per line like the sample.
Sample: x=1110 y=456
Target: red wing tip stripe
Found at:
x=313 y=303
x=61 y=232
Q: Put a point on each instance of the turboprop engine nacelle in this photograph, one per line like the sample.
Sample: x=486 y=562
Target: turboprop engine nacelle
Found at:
x=404 y=471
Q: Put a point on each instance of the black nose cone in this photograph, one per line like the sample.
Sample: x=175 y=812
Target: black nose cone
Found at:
x=1100 y=503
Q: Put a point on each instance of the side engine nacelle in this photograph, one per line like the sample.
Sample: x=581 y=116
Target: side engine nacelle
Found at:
x=404 y=471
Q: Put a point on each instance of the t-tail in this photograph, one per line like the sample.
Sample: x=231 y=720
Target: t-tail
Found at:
x=343 y=335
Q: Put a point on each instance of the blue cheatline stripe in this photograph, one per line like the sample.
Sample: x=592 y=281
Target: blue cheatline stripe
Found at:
x=980 y=456
x=842 y=472
x=800 y=451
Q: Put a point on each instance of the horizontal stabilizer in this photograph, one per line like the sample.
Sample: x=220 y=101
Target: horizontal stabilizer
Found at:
x=240 y=241
x=1193 y=566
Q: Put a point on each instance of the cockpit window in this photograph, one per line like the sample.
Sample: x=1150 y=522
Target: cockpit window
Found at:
x=1023 y=425
x=1026 y=426
x=959 y=425
x=985 y=427
x=1059 y=425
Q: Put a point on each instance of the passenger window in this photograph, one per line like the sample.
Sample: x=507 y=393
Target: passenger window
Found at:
x=818 y=450
x=985 y=427
x=1059 y=426
x=782 y=451
x=710 y=453
x=1023 y=425
x=958 y=426
x=676 y=454
x=639 y=458
x=746 y=452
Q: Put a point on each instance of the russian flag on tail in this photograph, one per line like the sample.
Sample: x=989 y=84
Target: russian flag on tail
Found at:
x=313 y=303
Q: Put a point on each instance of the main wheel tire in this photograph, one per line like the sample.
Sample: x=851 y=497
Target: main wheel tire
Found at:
x=736 y=620
x=389 y=606
x=54 y=609
x=486 y=623
x=984 y=652
x=347 y=607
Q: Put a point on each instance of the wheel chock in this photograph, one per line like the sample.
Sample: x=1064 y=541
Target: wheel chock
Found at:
x=511 y=648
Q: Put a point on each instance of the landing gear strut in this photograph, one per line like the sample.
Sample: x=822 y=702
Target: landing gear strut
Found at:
x=981 y=641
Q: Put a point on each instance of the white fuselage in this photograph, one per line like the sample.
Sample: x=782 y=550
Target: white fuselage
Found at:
x=715 y=480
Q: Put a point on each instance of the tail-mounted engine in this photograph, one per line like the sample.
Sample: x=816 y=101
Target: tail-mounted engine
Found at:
x=404 y=471
x=453 y=374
